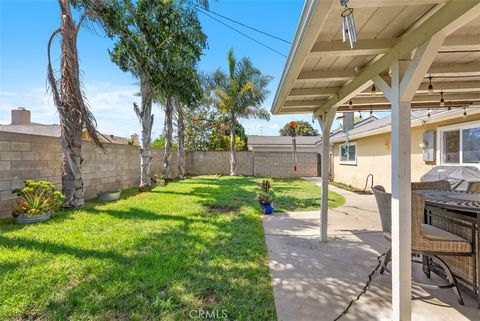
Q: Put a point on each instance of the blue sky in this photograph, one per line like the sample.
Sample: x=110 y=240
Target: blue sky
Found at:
x=25 y=27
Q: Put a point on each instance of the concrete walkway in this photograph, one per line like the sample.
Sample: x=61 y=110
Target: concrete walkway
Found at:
x=315 y=281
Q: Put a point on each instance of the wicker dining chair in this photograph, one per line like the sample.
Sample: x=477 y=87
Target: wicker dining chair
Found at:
x=474 y=187
x=426 y=239
x=431 y=185
x=440 y=185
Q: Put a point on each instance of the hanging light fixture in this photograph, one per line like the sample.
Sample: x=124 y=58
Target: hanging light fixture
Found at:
x=348 y=24
x=350 y=104
x=465 y=112
x=428 y=113
x=360 y=116
x=430 y=86
x=374 y=90
x=442 y=101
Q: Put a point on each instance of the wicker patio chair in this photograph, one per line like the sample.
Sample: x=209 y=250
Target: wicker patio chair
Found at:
x=474 y=187
x=384 y=203
x=426 y=239
x=432 y=185
x=441 y=185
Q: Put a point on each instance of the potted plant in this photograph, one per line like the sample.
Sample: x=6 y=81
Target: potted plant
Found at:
x=109 y=196
x=265 y=198
x=37 y=201
x=158 y=179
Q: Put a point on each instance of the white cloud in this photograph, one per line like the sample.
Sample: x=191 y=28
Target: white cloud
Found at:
x=111 y=104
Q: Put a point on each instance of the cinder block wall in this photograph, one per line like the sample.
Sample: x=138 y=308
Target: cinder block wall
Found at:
x=115 y=168
x=282 y=164
x=26 y=157
x=213 y=162
x=36 y=157
x=118 y=167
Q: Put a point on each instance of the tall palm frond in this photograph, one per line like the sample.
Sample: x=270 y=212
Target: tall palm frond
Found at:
x=239 y=95
x=255 y=112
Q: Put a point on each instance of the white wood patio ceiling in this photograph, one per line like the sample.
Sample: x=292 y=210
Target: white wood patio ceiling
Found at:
x=320 y=65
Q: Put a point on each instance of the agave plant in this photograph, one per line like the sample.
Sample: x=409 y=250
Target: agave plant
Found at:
x=266 y=196
x=36 y=198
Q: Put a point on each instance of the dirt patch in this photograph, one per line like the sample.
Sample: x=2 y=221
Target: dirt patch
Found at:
x=208 y=298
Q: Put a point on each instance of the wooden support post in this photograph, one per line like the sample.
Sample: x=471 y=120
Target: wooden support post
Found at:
x=401 y=198
x=325 y=121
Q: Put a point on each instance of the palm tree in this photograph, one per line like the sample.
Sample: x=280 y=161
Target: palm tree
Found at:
x=239 y=95
x=74 y=113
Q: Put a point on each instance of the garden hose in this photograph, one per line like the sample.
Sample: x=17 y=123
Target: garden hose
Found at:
x=364 y=290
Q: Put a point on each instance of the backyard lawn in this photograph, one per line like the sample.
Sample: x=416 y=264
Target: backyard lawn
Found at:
x=194 y=244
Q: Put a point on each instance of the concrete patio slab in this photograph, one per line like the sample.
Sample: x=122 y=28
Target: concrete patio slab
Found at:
x=315 y=281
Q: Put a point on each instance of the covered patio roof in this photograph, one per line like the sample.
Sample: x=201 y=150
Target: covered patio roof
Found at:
x=401 y=44
x=322 y=71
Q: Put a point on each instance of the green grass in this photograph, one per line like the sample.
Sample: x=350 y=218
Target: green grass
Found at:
x=194 y=244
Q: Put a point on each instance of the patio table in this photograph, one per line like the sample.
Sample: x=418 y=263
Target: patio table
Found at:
x=459 y=213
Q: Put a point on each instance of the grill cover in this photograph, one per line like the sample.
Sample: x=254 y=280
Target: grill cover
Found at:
x=459 y=177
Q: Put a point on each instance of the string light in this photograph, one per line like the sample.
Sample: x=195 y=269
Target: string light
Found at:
x=374 y=90
x=348 y=24
x=428 y=113
x=442 y=101
x=430 y=86
x=464 y=112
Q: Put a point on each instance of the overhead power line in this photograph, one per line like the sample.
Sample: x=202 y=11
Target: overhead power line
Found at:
x=241 y=24
x=238 y=31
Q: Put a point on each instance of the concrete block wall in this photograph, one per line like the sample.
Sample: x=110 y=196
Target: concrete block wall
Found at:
x=25 y=157
x=157 y=162
x=118 y=167
x=218 y=162
x=281 y=164
x=115 y=168
x=36 y=157
x=252 y=163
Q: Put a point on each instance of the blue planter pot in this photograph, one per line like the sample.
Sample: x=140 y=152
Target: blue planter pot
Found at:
x=266 y=208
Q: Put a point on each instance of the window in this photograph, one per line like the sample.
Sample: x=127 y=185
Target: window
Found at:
x=348 y=154
x=471 y=145
x=451 y=147
x=460 y=144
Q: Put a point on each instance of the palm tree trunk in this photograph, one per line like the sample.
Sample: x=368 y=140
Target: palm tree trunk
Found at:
x=233 y=148
x=167 y=156
x=145 y=118
x=74 y=114
x=181 y=142
x=71 y=123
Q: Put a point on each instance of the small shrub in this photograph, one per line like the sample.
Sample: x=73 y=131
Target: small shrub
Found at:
x=36 y=198
x=158 y=178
